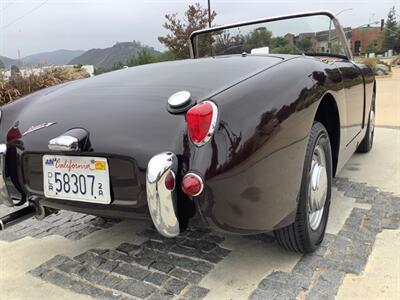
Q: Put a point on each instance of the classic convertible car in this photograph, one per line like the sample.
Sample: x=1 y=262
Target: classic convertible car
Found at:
x=245 y=137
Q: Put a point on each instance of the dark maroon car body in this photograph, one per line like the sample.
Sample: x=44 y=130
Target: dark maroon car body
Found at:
x=252 y=167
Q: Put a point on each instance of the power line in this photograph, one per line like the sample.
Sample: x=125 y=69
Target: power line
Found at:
x=26 y=14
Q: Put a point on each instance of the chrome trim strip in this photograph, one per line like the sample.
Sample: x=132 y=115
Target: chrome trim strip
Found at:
x=328 y=13
x=64 y=143
x=4 y=194
x=161 y=201
x=213 y=125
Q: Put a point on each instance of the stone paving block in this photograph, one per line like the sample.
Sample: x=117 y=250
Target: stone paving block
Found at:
x=157 y=278
x=85 y=256
x=161 y=296
x=161 y=266
x=186 y=251
x=116 y=255
x=214 y=237
x=90 y=290
x=144 y=261
x=108 y=265
x=203 y=267
x=354 y=264
x=315 y=295
x=70 y=267
x=185 y=263
x=129 y=249
x=175 y=286
x=58 y=279
x=212 y=257
x=95 y=261
x=136 y=288
x=179 y=273
x=53 y=262
x=110 y=281
x=132 y=271
x=262 y=295
x=268 y=284
x=195 y=292
x=194 y=278
x=221 y=252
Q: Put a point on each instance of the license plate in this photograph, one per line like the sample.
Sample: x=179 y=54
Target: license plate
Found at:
x=76 y=178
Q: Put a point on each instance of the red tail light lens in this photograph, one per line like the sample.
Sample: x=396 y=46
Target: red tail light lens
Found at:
x=170 y=181
x=201 y=121
x=192 y=184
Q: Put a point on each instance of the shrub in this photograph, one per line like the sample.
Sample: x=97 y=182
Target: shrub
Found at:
x=18 y=85
x=374 y=62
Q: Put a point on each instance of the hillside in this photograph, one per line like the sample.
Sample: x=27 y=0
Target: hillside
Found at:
x=8 y=62
x=58 y=57
x=107 y=57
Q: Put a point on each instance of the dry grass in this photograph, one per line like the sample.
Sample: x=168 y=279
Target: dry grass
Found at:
x=17 y=85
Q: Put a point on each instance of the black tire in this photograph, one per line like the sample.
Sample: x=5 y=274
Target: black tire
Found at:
x=368 y=140
x=300 y=236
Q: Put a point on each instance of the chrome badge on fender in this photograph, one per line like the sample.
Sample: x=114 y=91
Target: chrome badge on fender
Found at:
x=37 y=127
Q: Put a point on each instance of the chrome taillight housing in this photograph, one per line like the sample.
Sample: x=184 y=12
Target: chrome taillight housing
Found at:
x=201 y=121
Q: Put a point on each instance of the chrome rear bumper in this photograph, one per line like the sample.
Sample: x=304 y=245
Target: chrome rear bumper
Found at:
x=162 y=201
x=4 y=195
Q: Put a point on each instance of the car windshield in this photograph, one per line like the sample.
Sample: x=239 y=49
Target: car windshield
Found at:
x=313 y=35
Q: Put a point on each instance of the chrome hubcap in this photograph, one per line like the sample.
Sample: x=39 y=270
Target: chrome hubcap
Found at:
x=318 y=187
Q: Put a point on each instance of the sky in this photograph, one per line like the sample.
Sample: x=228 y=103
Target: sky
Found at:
x=32 y=26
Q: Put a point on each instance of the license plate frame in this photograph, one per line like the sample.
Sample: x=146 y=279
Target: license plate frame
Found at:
x=76 y=178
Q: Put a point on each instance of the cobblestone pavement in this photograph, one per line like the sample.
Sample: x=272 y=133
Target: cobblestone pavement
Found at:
x=71 y=225
x=88 y=257
x=157 y=268
x=319 y=275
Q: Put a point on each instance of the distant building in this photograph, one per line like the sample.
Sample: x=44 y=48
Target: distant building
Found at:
x=290 y=38
x=322 y=38
x=318 y=39
x=361 y=37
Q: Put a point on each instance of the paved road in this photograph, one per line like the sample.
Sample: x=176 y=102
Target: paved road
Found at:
x=77 y=256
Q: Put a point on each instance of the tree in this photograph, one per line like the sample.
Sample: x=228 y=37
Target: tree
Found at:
x=397 y=42
x=260 y=37
x=2 y=66
x=225 y=43
x=372 y=47
x=143 y=57
x=15 y=72
x=176 y=41
x=305 y=44
x=389 y=33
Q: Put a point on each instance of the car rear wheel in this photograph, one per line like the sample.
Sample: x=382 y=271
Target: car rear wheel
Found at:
x=366 y=144
x=308 y=230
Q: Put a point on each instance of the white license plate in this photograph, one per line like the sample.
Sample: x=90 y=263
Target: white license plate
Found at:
x=76 y=178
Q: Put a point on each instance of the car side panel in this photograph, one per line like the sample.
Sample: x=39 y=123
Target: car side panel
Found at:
x=253 y=166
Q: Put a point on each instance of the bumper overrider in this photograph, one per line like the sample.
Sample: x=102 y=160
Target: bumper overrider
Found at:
x=4 y=194
x=162 y=198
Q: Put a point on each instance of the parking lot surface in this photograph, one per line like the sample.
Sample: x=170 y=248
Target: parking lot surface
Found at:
x=71 y=255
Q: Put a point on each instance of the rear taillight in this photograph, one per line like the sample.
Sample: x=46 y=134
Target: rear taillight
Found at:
x=170 y=181
x=192 y=184
x=201 y=121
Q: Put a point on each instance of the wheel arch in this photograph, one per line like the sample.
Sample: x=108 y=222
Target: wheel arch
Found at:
x=328 y=114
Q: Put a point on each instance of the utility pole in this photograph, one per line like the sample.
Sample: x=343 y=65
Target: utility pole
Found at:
x=209 y=14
